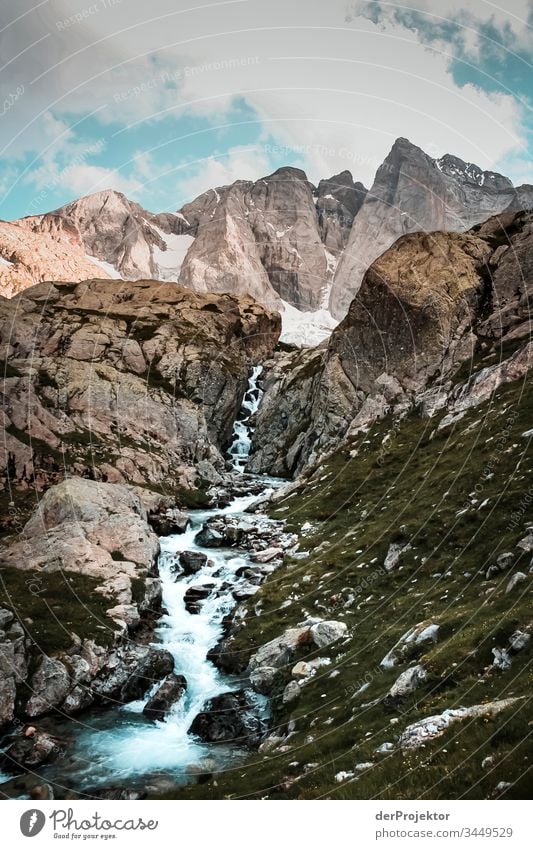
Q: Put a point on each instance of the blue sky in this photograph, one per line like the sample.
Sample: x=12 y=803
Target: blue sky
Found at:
x=164 y=100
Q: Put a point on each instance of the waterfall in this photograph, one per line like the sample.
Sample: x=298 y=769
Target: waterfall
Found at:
x=239 y=449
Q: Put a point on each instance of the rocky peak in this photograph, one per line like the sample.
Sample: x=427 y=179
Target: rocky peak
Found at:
x=428 y=304
x=261 y=238
x=411 y=192
x=468 y=172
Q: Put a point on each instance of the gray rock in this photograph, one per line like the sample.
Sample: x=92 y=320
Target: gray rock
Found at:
x=291 y=692
x=129 y=672
x=422 y=634
x=228 y=717
x=517 y=578
x=192 y=561
x=412 y=192
x=325 y=633
x=50 y=684
x=420 y=732
x=168 y=693
x=30 y=752
x=406 y=683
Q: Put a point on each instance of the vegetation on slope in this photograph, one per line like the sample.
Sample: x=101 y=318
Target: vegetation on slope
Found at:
x=459 y=496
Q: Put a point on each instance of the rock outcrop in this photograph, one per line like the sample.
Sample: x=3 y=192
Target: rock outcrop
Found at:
x=430 y=303
x=89 y=550
x=413 y=192
x=131 y=242
x=135 y=382
x=28 y=257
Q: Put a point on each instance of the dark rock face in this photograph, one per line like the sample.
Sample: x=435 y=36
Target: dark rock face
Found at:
x=130 y=671
x=338 y=200
x=424 y=307
x=171 y=691
x=13 y=664
x=228 y=718
x=413 y=192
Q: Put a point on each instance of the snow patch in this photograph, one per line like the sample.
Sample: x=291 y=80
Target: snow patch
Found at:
x=169 y=262
x=105 y=266
x=305 y=329
x=5 y=262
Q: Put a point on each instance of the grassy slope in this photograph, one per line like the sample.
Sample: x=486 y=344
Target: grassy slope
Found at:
x=417 y=486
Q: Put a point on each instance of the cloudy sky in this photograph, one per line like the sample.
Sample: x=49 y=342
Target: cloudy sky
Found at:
x=166 y=98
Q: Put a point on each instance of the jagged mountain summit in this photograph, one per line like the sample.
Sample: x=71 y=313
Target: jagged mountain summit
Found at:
x=294 y=247
x=414 y=192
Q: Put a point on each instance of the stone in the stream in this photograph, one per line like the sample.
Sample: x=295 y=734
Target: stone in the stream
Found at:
x=129 y=671
x=30 y=752
x=168 y=693
x=192 y=561
x=195 y=595
x=209 y=538
x=227 y=718
x=172 y=521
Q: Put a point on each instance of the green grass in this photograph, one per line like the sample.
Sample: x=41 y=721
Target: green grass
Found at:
x=52 y=606
x=419 y=487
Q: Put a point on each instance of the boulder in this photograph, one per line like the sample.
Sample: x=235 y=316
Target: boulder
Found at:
x=517 y=578
x=50 y=684
x=405 y=684
x=31 y=752
x=195 y=595
x=420 y=635
x=209 y=538
x=325 y=633
x=228 y=718
x=167 y=694
x=273 y=656
x=192 y=561
x=421 y=732
x=129 y=672
x=291 y=692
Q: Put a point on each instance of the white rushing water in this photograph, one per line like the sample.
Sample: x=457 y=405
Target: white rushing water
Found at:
x=242 y=430
x=122 y=743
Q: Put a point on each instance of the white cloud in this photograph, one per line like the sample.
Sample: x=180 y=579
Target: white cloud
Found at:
x=336 y=89
x=239 y=163
x=84 y=179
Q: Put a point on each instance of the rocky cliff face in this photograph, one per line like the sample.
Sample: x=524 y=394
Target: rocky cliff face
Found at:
x=126 y=382
x=338 y=200
x=29 y=255
x=262 y=238
x=414 y=192
x=431 y=302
